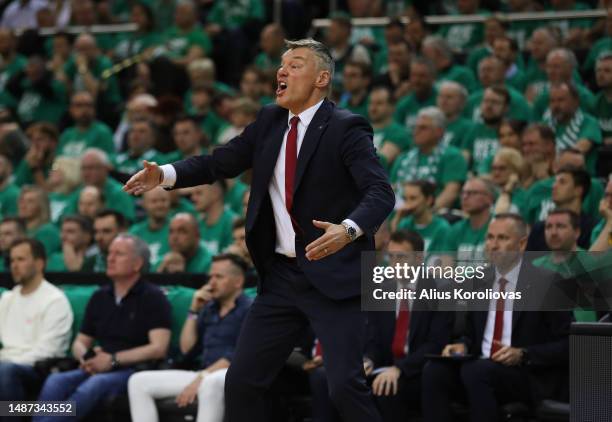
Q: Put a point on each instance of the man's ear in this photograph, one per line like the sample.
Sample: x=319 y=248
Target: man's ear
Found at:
x=323 y=79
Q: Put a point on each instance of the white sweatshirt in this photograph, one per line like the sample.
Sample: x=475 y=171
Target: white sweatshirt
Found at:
x=34 y=326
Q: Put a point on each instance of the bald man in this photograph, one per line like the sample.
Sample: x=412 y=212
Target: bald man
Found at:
x=184 y=238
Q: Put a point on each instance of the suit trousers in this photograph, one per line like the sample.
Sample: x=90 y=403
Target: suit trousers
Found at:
x=278 y=316
x=484 y=383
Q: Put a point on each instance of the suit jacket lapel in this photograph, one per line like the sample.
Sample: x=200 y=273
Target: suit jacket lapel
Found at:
x=311 y=140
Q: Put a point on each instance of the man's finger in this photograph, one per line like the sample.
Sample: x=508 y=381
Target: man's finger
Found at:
x=321 y=224
x=318 y=241
x=394 y=387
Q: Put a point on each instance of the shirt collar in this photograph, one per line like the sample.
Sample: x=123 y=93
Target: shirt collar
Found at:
x=307 y=115
x=512 y=275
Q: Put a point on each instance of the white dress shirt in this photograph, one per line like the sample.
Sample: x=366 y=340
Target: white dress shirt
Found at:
x=506 y=339
x=285 y=235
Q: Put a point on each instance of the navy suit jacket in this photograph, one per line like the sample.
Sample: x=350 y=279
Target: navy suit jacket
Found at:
x=430 y=330
x=338 y=176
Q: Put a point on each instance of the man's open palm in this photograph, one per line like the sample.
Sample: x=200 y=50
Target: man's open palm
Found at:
x=145 y=180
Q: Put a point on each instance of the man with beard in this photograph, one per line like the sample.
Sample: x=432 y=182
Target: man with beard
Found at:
x=481 y=143
x=35 y=322
x=573 y=127
x=515 y=348
x=11 y=229
x=422 y=78
x=87 y=132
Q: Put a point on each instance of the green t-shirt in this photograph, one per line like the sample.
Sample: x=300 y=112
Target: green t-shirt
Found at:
x=537 y=80
x=581 y=126
x=361 y=108
x=568 y=268
x=156 y=239
x=231 y=14
x=601 y=47
x=460 y=74
x=539 y=199
x=56 y=262
x=8 y=200
x=125 y=163
x=456 y=132
x=408 y=107
x=11 y=69
x=434 y=234
x=177 y=43
x=466 y=241
x=394 y=133
x=482 y=143
x=32 y=106
x=517 y=79
x=597 y=230
x=109 y=86
x=73 y=141
x=24 y=175
x=518 y=109
x=200 y=262
x=217 y=237
x=61 y=204
x=184 y=205
x=234 y=195
x=603 y=114
x=475 y=56
x=129 y=45
x=463 y=36
x=441 y=166
x=48 y=235
x=540 y=105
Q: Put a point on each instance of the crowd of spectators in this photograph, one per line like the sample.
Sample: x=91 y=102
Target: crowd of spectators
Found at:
x=471 y=121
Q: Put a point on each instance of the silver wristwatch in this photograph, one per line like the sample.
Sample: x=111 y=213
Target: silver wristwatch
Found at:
x=351 y=233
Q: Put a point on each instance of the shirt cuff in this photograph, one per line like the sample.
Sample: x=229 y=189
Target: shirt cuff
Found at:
x=169 y=177
x=353 y=225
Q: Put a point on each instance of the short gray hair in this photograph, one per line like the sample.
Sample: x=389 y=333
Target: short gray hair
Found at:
x=567 y=55
x=439 y=44
x=326 y=62
x=141 y=249
x=456 y=86
x=101 y=155
x=435 y=114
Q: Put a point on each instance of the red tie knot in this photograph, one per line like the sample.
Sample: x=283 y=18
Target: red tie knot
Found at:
x=502 y=283
x=294 y=121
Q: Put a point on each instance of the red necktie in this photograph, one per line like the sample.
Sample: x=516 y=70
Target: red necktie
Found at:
x=318 y=349
x=498 y=331
x=402 y=325
x=290 y=162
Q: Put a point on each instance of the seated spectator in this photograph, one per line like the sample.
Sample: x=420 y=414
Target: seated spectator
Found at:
x=397 y=76
x=243 y=113
x=63 y=180
x=464 y=36
x=59 y=50
x=130 y=322
x=186 y=41
x=423 y=93
x=416 y=31
x=573 y=127
x=33 y=206
x=542 y=42
x=35 y=322
x=356 y=79
x=603 y=99
x=511 y=348
x=199 y=106
x=494 y=27
x=506 y=173
x=87 y=132
x=34 y=94
x=34 y=168
x=144 y=40
x=108 y=224
x=416 y=214
x=491 y=73
x=272 y=44
x=13 y=62
x=561 y=65
x=95 y=169
x=451 y=101
x=85 y=14
x=390 y=138
x=11 y=229
x=568 y=192
x=467 y=236
x=140 y=141
x=91 y=202
x=212 y=325
x=600 y=236
x=137 y=108
x=188 y=139
x=539 y=195
x=507 y=50
x=601 y=48
x=437 y=50
x=251 y=86
x=77 y=237
x=538 y=149
x=510 y=134
x=155 y=229
x=482 y=142
x=8 y=191
x=184 y=238
x=445 y=167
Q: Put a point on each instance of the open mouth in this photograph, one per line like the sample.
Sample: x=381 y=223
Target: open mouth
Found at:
x=282 y=86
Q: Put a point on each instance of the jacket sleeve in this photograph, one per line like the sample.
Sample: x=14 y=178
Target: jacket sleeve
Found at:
x=360 y=158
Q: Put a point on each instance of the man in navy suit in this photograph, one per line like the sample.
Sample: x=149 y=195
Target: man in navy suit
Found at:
x=318 y=196
x=519 y=351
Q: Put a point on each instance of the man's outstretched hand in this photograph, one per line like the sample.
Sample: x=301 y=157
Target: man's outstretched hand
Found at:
x=145 y=180
x=330 y=242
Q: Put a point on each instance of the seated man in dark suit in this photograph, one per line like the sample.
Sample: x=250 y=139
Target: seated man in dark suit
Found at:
x=129 y=319
x=512 y=344
x=397 y=344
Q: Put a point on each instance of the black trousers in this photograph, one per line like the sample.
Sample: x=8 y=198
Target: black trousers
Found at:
x=483 y=383
x=287 y=304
